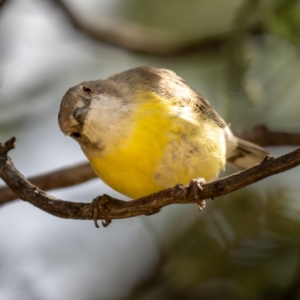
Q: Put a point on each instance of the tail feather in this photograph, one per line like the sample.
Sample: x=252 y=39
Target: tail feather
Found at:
x=246 y=155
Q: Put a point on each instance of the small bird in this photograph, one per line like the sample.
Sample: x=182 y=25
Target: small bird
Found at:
x=145 y=129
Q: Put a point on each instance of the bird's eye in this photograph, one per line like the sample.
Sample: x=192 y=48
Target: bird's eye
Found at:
x=87 y=89
x=75 y=135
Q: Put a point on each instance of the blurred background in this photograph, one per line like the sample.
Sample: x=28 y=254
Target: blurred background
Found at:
x=243 y=56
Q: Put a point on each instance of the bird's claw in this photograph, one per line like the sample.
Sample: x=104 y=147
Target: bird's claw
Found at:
x=195 y=186
x=99 y=203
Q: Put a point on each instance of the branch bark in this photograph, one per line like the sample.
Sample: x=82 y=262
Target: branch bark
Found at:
x=74 y=175
x=108 y=208
x=57 y=179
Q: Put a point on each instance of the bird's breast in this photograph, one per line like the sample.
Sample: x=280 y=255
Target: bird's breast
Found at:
x=168 y=145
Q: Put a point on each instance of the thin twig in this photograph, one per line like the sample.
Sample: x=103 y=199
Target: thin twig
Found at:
x=117 y=209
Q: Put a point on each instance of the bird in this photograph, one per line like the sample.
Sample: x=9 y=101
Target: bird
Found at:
x=145 y=129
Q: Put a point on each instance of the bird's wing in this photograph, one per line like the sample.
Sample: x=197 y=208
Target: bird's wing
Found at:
x=204 y=107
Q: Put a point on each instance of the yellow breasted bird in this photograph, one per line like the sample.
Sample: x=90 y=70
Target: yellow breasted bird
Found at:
x=144 y=130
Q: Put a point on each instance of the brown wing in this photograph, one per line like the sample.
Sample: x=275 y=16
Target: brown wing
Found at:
x=208 y=111
x=168 y=84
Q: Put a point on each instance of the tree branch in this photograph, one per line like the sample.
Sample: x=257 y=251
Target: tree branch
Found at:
x=57 y=179
x=133 y=37
x=262 y=136
x=74 y=175
x=108 y=208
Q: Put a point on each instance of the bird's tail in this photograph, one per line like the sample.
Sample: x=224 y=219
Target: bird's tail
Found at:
x=246 y=155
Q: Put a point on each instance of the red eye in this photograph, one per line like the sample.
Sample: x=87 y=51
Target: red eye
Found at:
x=87 y=89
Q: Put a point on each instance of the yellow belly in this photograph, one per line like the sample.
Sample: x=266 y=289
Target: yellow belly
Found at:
x=166 y=148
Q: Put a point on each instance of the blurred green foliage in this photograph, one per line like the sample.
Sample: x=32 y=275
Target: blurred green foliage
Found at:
x=245 y=245
x=284 y=20
x=191 y=19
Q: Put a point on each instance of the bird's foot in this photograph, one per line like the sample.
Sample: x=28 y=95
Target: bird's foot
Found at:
x=99 y=204
x=195 y=187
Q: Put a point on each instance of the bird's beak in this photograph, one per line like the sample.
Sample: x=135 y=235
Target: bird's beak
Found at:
x=80 y=113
